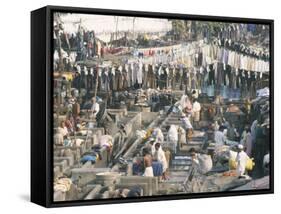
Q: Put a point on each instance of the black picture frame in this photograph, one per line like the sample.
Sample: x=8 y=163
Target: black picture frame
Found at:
x=41 y=103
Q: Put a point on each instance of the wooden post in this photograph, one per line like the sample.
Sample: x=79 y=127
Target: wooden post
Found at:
x=97 y=81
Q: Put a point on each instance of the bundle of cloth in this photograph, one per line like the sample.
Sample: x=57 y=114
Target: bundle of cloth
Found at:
x=62 y=184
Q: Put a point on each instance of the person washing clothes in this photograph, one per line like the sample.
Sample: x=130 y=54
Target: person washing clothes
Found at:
x=147 y=159
x=219 y=137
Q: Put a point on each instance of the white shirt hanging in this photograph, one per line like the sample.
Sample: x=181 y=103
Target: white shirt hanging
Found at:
x=113 y=71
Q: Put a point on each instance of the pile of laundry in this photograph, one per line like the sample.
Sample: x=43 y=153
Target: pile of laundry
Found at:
x=62 y=184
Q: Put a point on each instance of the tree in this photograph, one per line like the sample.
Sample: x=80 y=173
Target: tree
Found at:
x=191 y=29
x=179 y=29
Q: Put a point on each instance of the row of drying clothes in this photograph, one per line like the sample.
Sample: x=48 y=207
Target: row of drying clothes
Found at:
x=212 y=53
x=241 y=48
x=118 y=78
x=115 y=78
x=139 y=75
x=200 y=54
x=134 y=75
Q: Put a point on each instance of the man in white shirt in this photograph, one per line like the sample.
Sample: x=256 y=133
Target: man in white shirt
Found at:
x=172 y=137
x=241 y=160
x=196 y=108
x=159 y=155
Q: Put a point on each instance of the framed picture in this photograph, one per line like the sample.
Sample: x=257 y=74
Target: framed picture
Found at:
x=134 y=106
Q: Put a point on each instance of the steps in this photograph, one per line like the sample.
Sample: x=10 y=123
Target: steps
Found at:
x=181 y=161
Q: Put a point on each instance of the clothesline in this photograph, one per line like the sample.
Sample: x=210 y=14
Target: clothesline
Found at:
x=196 y=55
